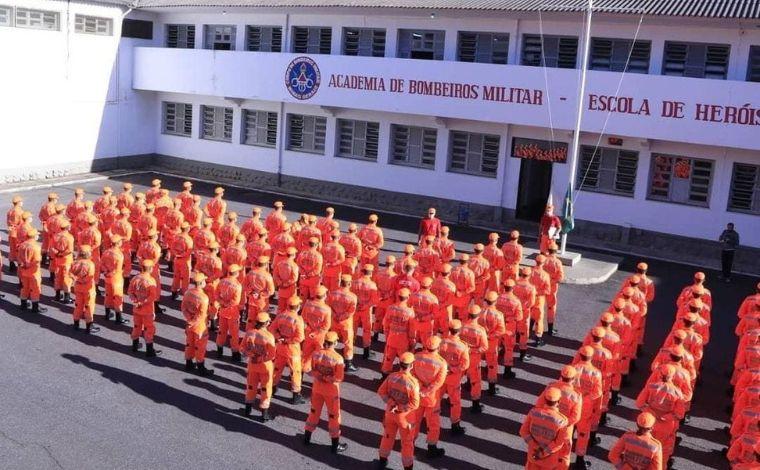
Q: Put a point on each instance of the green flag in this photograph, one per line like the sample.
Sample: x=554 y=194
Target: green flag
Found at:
x=568 y=219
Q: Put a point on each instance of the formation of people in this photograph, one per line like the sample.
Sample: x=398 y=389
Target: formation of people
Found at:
x=441 y=315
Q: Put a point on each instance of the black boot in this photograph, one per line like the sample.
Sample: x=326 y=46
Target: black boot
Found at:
x=550 y=329
x=336 y=447
x=203 y=371
x=52 y=276
x=581 y=463
x=11 y=267
x=135 y=345
x=350 y=366
x=603 y=419
x=382 y=463
x=157 y=307
x=67 y=298
x=457 y=429
x=37 y=309
x=212 y=326
x=175 y=295
x=410 y=467
x=149 y=350
x=119 y=318
x=247 y=409
x=508 y=374
x=492 y=389
x=108 y=313
x=615 y=398
x=307 y=437
x=539 y=342
x=625 y=381
x=365 y=354
x=594 y=440
x=58 y=296
x=219 y=351
x=686 y=419
x=24 y=304
x=77 y=324
x=476 y=407
x=88 y=328
x=189 y=364
x=265 y=415
x=524 y=356
x=376 y=337
x=297 y=399
x=433 y=451
x=236 y=356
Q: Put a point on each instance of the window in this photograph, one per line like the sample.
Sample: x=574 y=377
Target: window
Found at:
x=607 y=170
x=259 y=128
x=93 y=25
x=6 y=15
x=413 y=146
x=180 y=36
x=178 y=119
x=680 y=179
x=472 y=153
x=612 y=54
x=216 y=123
x=312 y=40
x=37 y=19
x=306 y=133
x=220 y=37
x=488 y=48
x=137 y=29
x=358 y=139
x=364 y=42
x=553 y=51
x=263 y=38
x=682 y=59
x=420 y=44
x=753 y=68
x=745 y=189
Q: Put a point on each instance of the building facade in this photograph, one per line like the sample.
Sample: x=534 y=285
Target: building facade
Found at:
x=473 y=105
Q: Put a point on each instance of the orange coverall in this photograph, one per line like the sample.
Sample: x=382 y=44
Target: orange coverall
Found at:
x=343 y=303
x=457 y=356
x=29 y=257
x=637 y=452
x=334 y=256
x=215 y=209
x=352 y=249
x=211 y=266
x=368 y=296
x=548 y=434
x=492 y=321
x=229 y=294
x=464 y=280
x=542 y=282
x=310 y=272
x=444 y=290
x=143 y=291
x=480 y=268
x=398 y=327
x=288 y=331
x=525 y=291
x=327 y=371
x=317 y=317
x=511 y=307
x=259 y=347
x=182 y=249
x=666 y=402
x=372 y=240
x=285 y=277
x=62 y=251
x=496 y=264
x=400 y=392
x=384 y=279
x=553 y=266
x=150 y=249
x=112 y=267
x=275 y=223
x=590 y=384
x=512 y=256
x=425 y=306
x=430 y=370
x=258 y=287
x=195 y=310
x=477 y=340
x=13 y=221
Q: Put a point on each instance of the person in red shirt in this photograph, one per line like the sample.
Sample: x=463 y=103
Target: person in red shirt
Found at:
x=215 y=210
x=548 y=228
x=430 y=226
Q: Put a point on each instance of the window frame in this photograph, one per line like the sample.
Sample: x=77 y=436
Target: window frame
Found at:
x=597 y=155
x=304 y=118
x=56 y=16
x=249 y=29
x=704 y=66
x=131 y=27
x=753 y=56
x=207 y=28
x=213 y=136
x=542 y=42
x=373 y=46
x=483 y=136
x=244 y=128
x=10 y=14
x=179 y=27
x=81 y=28
x=755 y=190
x=630 y=45
x=437 y=54
x=309 y=30
x=164 y=111
x=478 y=35
x=422 y=130
x=357 y=139
x=669 y=198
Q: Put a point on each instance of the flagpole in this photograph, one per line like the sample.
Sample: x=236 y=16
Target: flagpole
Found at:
x=579 y=117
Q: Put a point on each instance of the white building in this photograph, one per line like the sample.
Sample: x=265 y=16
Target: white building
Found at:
x=446 y=99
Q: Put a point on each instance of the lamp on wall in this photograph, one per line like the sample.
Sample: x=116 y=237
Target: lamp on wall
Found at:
x=432 y=15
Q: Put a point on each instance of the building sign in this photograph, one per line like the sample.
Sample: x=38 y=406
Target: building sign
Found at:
x=543 y=150
x=302 y=78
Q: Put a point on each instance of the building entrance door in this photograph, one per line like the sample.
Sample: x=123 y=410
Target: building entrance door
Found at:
x=533 y=190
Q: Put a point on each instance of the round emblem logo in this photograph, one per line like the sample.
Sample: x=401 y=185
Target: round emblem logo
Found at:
x=302 y=78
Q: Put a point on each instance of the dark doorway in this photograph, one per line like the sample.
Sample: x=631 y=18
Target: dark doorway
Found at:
x=533 y=191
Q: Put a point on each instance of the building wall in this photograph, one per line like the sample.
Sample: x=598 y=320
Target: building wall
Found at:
x=67 y=97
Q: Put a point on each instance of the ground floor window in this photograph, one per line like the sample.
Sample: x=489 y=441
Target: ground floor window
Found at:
x=745 y=189
x=306 y=133
x=178 y=119
x=607 y=170
x=473 y=153
x=680 y=179
x=216 y=123
x=259 y=128
x=358 y=139
x=413 y=146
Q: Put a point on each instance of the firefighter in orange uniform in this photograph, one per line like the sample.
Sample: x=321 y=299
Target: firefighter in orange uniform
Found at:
x=62 y=253
x=666 y=402
x=400 y=392
x=285 y=275
x=333 y=256
x=398 y=327
x=548 y=434
x=229 y=294
x=385 y=286
x=144 y=292
x=425 y=306
x=445 y=246
x=123 y=228
x=195 y=216
x=310 y=268
x=112 y=267
x=407 y=259
x=496 y=262
x=148 y=223
x=476 y=338
x=76 y=205
x=182 y=249
x=215 y=209
x=604 y=361
x=103 y=201
x=92 y=237
x=185 y=198
x=444 y=290
x=275 y=220
x=229 y=231
x=699 y=280
x=327 y=372
x=288 y=330
x=553 y=266
x=428 y=259
x=493 y=321
x=307 y=233
x=509 y=305
x=29 y=258
x=280 y=244
x=253 y=226
x=542 y=282
x=53 y=226
x=343 y=304
x=352 y=248
x=136 y=212
x=83 y=271
x=210 y=265
x=590 y=384
x=482 y=271
x=13 y=221
x=570 y=402
x=154 y=192
x=46 y=212
x=257 y=247
x=639 y=449
x=317 y=318
x=325 y=225
x=171 y=229
x=235 y=253
x=258 y=287
x=125 y=199
x=368 y=296
x=150 y=250
x=464 y=280
x=457 y=356
x=372 y=241
x=260 y=348
x=526 y=292
x=430 y=371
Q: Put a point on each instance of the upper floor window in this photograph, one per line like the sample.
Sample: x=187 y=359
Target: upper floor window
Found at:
x=180 y=36
x=137 y=29
x=364 y=42
x=216 y=123
x=697 y=60
x=358 y=139
x=745 y=189
x=607 y=170
x=420 y=44
x=306 y=133
x=549 y=51
x=178 y=119
x=413 y=146
x=220 y=37
x=93 y=25
x=263 y=38
x=312 y=40
x=489 y=48
x=37 y=19
x=6 y=15
x=259 y=128
x=612 y=55
x=753 y=67
x=680 y=179
x=473 y=153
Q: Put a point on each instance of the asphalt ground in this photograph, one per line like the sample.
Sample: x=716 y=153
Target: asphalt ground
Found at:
x=69 y=400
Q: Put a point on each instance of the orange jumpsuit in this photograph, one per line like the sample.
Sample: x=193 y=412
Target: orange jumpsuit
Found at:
x=637 y=452
x=524 y=291
x=275 y=223
x=430 y=370
x=742 y=454
x=384 y=279
x=182 y=249
x=542 y=282
x=112 y=267
x=171 y=229
x=553 y=266
x=256 y=249
x=590 y=384
x=492 y=320
x=123 y=228
x=144 y=292
x=334 y=256
x=310 y=272
x=496 y=263
x=666 y=402
x=327 y=371
x=317 y=316
x=603 y=360
x=425 y=306
x=62 y=251
x=91 y=236
x=74 y=208
x=611 y=342
x=368 y=296
x=343 y=303
x=125 y=199
x=147 y=223
x=229 y=294
x=215 y=209
x=372 y=241
x=476 y=338
x=235 y=254
x=251 y=228
x=13 y=221
x=29 y=258
x=202 y=240
x=259 y=347
x=444 y=290
x=211 y=266
x=481 y=269
x=325 y=226
x=464 y=280
x=285 y=277
x=352 y=248
x=428 y=261
x=400 y=392
x=46 y=212
x=258 y=287
x=622 y=326
x=306 y=233
x=445 y=248
x=457 y=356
x=548 y=434
x=195 y=310
x=228 y=233
x=136 y=212
x=513 y=253
x=185 y=198
x=280 y=245
x=150 y=249
x=288 y=330
x=398 y=327
x=509 y=305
